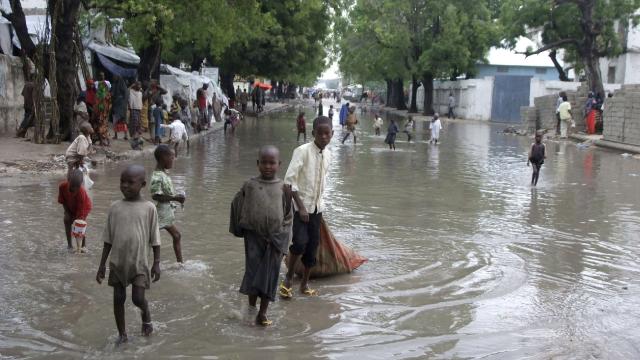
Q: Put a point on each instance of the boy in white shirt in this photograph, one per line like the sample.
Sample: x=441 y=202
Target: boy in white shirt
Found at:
x=306 y=175
x=178 y=132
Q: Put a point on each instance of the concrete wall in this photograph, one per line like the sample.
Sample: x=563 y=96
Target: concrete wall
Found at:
x=622 y=116
x=549 y=87
x=11 y=101
x=473 y=97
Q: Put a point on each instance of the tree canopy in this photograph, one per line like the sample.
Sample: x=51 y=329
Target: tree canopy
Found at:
x=586 y=29
x=417 y=39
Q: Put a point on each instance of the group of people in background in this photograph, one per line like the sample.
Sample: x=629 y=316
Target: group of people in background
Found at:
x=592 y=113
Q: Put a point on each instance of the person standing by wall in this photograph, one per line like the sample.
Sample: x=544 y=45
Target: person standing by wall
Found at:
x=451 y=105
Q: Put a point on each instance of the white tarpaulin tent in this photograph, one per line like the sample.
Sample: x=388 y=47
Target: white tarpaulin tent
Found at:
x=186 y=85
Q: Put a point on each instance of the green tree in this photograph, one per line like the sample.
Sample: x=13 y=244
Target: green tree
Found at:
x=585 y=29
x=420 y=39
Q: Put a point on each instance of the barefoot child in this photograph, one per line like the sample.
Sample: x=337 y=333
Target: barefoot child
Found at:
x=76 y=204
x=178 y=133
x=392 y=131
x=261 y=213
x=163 y=194
x=408 y=128
x=351 y=124
x=536 y=158
x=131 y=229
x=307 y=175
x=80 y=147
x=301 y=125
x=377 y=124
x=435 y=127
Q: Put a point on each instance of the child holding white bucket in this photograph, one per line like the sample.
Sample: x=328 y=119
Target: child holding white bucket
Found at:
x=77 y=205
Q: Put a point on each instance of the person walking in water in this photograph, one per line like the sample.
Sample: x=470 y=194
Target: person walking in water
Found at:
x=351 y=125
x=537 y=154
x=131 y=229
x=307 y=175
x=301 y=125
x=564 y=110
x=392 y=132
x=344 y=112
x=435 y=127
x=408 y=128
x=377 y=124
x=261 y=213
x=163 y=194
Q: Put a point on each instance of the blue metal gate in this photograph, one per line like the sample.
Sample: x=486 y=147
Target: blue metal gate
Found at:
x=509 y=94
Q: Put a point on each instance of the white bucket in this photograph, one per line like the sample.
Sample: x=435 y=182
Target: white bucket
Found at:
x=78 y=229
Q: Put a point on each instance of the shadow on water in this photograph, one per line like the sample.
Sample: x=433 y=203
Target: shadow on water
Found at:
x=466 y=260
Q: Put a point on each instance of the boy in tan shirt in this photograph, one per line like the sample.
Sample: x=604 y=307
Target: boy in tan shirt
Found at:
x=131 y=229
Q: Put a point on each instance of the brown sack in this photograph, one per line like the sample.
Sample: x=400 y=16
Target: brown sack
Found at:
x=333 y=256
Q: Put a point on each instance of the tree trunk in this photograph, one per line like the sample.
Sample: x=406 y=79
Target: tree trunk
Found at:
x=427 y=82
x=226 y=83
x=280 y=92
x=389 y=91
x=196 y=62
x=149 y=67
x=562 y=75
x=399 y=102
x=64 y=91
x=594 y=78
x=414 y=94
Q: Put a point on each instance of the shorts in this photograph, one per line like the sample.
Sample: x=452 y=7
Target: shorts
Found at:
x=139 y=280
x=306 y=238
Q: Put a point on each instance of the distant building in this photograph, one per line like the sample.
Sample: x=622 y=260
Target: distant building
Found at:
x=508 y=62
x=624 y=69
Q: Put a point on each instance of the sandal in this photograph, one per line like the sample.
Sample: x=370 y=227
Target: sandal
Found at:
x=310 y=292
x=263 y=322
x=285 y=292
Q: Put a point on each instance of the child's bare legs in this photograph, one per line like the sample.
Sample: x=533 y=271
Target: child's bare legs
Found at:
x=176 y=149
x=535 y=174
x=288 y=279
x=304 y=284
x=67 y=228
x=175 y=234
x=119 y=297
x=137 y=295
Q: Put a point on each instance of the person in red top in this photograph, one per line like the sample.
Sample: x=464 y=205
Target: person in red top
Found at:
x=76 y=203
x=201 y=96
x=90 y=98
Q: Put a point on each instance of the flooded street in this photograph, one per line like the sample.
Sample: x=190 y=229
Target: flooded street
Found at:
x=466 y=260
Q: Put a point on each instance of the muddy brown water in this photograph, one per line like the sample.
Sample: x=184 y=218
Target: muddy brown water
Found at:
x=466 y=260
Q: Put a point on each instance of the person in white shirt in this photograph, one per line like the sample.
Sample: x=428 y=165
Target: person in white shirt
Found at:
x=435 y=127
x=135 y=109
x=377 y=124
x=178 y=132
x=306 y=175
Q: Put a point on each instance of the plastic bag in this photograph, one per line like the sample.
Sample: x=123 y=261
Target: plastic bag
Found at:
x=333 y=256
x=87 y=182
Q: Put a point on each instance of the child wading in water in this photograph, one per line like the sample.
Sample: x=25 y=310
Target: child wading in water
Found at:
x=301 y=125
x=76 y=203
x=80 y=147
x=307 y=175
x=351 y=124
x=392 y=131
x=435 y=127
x=131 y=229
x=377 y=124
x=261 y=213
x=408 y=128
x=163 y=194
x=536 y=158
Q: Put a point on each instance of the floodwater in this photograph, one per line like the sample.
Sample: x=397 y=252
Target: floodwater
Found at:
x=466 y=260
